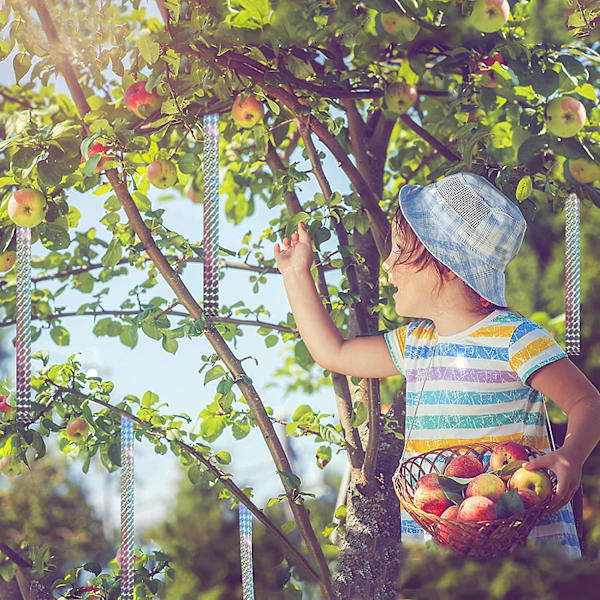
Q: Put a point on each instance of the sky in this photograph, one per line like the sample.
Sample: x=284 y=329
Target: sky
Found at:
x=175 y=378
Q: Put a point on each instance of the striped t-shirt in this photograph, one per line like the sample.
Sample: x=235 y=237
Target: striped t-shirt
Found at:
x=476 y=390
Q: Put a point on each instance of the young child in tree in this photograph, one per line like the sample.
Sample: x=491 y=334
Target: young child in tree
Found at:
x=484 y=369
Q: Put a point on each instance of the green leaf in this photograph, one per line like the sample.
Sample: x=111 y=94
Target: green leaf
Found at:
x=271 y=340
x=211 y=428
x=150 y=328
x=545 y=82
x=360 y=414
x=507 y=470
x=48 y=173
x=21 y=65
x=524 y=188
x=214 y=373
x=189 y=163
x=129 y=336
x=83 y=282
x=114 y=453
x=223 y=457
x=195 y=474
x=113 y=253
x=531 y=146
x=303 y=409
x=291 y=479
x=288 y=527
x=93 y=567
x=509 y=503
x=149 y=48
x=54 y=236
x=170 y=344
x=60 y=336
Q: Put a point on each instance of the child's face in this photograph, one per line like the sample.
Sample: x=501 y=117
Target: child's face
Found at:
x=417 y=291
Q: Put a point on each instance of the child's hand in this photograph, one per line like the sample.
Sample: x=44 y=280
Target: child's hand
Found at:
x=297 y=255
x=568 y=475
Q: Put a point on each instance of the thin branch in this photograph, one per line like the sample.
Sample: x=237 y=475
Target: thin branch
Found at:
x=221 y=347
x=214 y=469
x=433 y=141
x=15 y=556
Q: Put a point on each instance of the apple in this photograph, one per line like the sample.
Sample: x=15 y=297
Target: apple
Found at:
x=486 y=484
x=10 y=466
x=431 y=480
x=396 y=25
x=464 y=466
x=399 y=97
x=536 y=480
x=97 y=148
x=565 y=116
x=445 y=532
x=489 y=15
x=194 y=195
x=77 y=429
x=247 y=113
x=431 y=499
x=27 y=208
x=136 y=98
x=162 y=173
x=91 y=591
x=485 y=68
x=7 y=260
x=583 y=170
x=477 y=508
x=507 y=452
x=5 y=407
x=529 y=497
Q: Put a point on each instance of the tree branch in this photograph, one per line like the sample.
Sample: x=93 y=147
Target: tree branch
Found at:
x=433 y=141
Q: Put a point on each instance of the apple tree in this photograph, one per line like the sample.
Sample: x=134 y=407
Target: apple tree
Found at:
x=390 y=91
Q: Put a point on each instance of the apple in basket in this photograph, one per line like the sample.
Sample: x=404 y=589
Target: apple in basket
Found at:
x=505 y=453
x=536 y=480
x=477 y=508
x=445 y=531
x=486 y=484
x=430 y=496
x=463 y=466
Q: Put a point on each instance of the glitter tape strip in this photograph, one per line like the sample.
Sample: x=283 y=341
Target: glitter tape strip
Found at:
x=246 y=553
x=572 y=276
x=127 y=520
x=23 y=319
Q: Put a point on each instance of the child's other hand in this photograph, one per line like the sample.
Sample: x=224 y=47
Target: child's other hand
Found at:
x=568 y=475
x=297 y=254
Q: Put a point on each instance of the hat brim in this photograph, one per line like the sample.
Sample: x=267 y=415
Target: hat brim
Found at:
x=488 y=283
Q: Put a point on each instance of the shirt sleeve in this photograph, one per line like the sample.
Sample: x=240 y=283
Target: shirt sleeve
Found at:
x=395 y=341
x=531 y=347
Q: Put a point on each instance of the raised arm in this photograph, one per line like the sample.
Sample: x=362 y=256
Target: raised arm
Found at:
x=358 y=357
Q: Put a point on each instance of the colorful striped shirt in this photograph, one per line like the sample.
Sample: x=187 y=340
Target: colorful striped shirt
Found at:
x=476 y=390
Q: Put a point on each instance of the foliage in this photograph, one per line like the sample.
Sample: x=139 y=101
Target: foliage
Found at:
x=321 y=69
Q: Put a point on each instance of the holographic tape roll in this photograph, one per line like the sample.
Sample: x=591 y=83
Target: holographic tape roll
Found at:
x=572 y=275
x=210 y=167
x=23 y=319
x=246 y=553
x=127 y=497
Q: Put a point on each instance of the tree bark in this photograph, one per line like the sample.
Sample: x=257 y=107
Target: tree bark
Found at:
x=370 y=550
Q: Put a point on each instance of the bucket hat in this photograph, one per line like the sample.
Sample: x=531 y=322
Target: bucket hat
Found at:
x=468 y=225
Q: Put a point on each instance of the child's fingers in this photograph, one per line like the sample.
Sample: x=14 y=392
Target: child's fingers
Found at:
x=277 y=249
x=302 y=233
x=294 y=237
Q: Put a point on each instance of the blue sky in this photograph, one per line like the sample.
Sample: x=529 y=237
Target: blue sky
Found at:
x=175 y=378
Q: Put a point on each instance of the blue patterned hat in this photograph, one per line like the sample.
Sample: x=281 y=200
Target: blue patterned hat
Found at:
x=468 y=225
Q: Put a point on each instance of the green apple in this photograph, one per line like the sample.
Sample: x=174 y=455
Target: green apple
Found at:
x=536 y=480
x=565 y=116
x=248 y=113
x=399 y=97
x=583 y=170
x=140 y=102
x=77 y=429
x=489 y=15
x=7 y=260
x=27 y=208
x=396 y=25
x=10 y=466
x=486 y=484
x=162 y=173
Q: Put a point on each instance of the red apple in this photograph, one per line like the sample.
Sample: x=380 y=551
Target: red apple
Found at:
x=477 y=508
x=77 y=429
x=565 y=116
x=529 y=497
x=484 y=68
x=489 y=15
x=399 y=97
x=445 y=532
x=486 y=484
x=584 y=170
x=464 y=466
x=7 y=260
x=27 y=208
x=162 y=173
x=136 y=98
x=536 y=480
x=431 y=499
x=91 y=591
x=247 y=113
x=430 y=480
x=507 y=452
x=5 y=407
x=98 y=148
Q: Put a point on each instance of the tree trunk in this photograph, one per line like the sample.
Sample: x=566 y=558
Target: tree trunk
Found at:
x=370 y=549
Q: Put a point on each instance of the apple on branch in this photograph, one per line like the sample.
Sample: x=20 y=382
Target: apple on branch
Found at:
x=565 y=116
x=98 y=148
x=27 y=208
x=583 y=170
x=5 y=408
x=489 y=15
x=399 y=97
x=248 y=113
x=162 y=173
x=77 y=429
x=141 y=102
x=396 y=25
x=7 y=261
x=484 y=65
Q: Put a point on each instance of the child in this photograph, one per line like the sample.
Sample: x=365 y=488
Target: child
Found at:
x=475 y=370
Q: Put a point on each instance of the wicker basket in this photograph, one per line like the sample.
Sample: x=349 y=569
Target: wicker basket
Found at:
x=481 y=539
